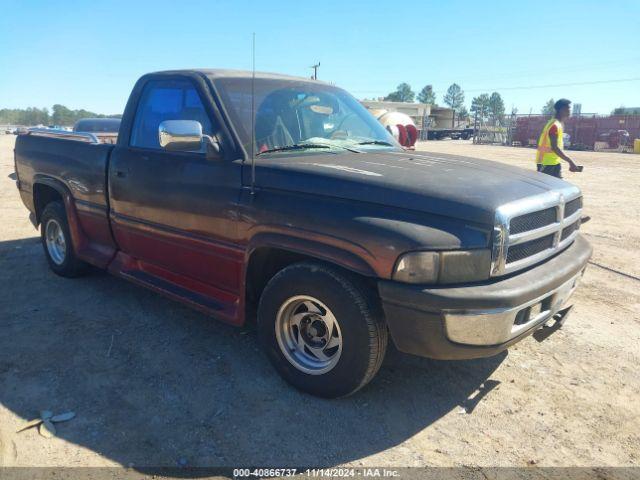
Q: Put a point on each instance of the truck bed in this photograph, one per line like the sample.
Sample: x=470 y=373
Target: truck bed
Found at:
x=80 y=166
x=76 y=172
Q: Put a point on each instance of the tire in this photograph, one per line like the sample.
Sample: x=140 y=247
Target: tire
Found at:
x=317 y=295
x=59 y=248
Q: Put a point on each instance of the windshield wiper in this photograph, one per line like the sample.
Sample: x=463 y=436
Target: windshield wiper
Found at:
x=296 y=146
x=376 y=142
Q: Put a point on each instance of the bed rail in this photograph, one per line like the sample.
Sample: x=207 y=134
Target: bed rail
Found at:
x=78 y=136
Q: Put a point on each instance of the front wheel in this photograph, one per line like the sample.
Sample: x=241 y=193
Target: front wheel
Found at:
x=322 y=328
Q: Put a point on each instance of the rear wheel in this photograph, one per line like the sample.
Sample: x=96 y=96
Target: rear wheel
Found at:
x=322 y=328
x=57 y=243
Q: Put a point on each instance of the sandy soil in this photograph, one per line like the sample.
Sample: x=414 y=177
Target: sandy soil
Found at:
x=155 y=383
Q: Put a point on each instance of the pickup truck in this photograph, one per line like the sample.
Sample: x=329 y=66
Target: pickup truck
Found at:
x=105 y=129
x=281 y=200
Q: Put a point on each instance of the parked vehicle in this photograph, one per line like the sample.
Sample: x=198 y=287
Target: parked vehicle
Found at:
x=332 y=234
x=93 y=125
x=616 y=138
x=452 y=133
x=105 y=129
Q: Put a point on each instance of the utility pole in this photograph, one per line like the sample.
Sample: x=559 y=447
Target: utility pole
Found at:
x=475 y=128
x=315 y=70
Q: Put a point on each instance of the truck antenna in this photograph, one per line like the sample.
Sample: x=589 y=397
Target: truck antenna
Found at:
x=253 y=115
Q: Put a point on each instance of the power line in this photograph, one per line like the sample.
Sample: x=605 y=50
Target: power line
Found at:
x=515 y=74
x=594 y=66
x=531 y=87
x=551 y=85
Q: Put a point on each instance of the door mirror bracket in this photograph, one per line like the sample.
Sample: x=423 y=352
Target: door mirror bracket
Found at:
x=212 y=146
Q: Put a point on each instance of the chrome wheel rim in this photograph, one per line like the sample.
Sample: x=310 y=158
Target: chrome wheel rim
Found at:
x=56 y=243
x=308 y=335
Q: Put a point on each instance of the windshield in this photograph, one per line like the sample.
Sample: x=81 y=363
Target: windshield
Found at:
x=292 y=115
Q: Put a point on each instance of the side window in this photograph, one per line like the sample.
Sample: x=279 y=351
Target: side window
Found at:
x=166 y=100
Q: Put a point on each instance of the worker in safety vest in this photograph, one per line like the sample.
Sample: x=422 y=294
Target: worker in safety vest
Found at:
x=550 y=144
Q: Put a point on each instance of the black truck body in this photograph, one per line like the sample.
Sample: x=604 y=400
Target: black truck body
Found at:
x=293 y=205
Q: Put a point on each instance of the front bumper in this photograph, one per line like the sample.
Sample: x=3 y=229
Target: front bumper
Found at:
x=481 y=320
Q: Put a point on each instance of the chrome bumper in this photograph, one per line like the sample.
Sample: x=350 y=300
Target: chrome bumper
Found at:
x=493 y=327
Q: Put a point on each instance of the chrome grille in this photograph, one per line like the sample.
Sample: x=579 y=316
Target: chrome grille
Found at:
x=530 y=230
x=533 y=220
x=567 y=231
x=572 y=207
x=527 y=249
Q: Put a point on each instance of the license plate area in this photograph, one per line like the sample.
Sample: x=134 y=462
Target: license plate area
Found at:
x=534 y=312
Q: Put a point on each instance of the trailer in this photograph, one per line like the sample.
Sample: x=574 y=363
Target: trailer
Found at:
x=585 y=132
x=453 y=133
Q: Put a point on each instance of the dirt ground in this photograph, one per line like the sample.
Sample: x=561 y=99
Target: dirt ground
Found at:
x=155 y=383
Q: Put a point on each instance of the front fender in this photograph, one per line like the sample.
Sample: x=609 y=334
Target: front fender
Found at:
x=363 y=237
x=332 y=250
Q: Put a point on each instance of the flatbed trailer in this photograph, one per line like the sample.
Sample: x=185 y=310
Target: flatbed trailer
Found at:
x=453 y=133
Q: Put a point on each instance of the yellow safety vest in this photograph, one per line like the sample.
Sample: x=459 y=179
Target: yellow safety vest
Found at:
x=545 y=155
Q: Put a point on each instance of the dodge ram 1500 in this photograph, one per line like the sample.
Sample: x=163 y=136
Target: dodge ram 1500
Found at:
x=282 y=199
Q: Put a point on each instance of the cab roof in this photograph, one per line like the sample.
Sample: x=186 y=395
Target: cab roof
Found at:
x=221 y=73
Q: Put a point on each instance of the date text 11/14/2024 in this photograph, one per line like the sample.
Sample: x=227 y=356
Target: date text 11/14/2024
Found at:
x=337 y=472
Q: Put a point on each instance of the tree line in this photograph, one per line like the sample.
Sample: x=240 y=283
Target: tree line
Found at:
x=487 y=107
x=59 y=115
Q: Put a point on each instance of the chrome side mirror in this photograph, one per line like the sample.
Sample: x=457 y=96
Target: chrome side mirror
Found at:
x=180 y=135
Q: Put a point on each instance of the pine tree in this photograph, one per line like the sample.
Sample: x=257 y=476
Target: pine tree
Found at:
x=427 y=95
x=454 y=96
x=403 y=93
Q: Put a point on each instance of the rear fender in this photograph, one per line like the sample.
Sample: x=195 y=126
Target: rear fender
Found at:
x=98 y=250
x=78 y=237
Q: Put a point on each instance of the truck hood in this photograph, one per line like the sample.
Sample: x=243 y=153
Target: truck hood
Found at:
x=465 y=188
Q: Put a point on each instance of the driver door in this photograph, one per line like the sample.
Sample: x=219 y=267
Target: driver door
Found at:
x=173 y=212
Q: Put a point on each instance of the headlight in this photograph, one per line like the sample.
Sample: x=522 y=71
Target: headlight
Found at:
x=455 y=266
x=418 y=267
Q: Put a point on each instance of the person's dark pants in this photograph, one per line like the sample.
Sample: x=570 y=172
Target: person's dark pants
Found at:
x=553 y=170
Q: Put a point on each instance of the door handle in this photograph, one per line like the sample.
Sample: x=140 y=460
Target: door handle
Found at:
x=121 y=173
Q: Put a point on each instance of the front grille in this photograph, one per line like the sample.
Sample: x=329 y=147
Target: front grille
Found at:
x=572 y=207
x=527 y=249
x=533 y=220
x=567 y=231
x=534 y=228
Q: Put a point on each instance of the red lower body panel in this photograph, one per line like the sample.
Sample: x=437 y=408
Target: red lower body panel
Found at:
x=203 y=274
x=206 y=298
x=90 y=232
x=198 y=271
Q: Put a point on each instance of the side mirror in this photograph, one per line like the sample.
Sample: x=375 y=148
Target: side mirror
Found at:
x=180 y=135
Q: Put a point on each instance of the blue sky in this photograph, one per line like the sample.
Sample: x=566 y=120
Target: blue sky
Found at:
x=88 y=54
